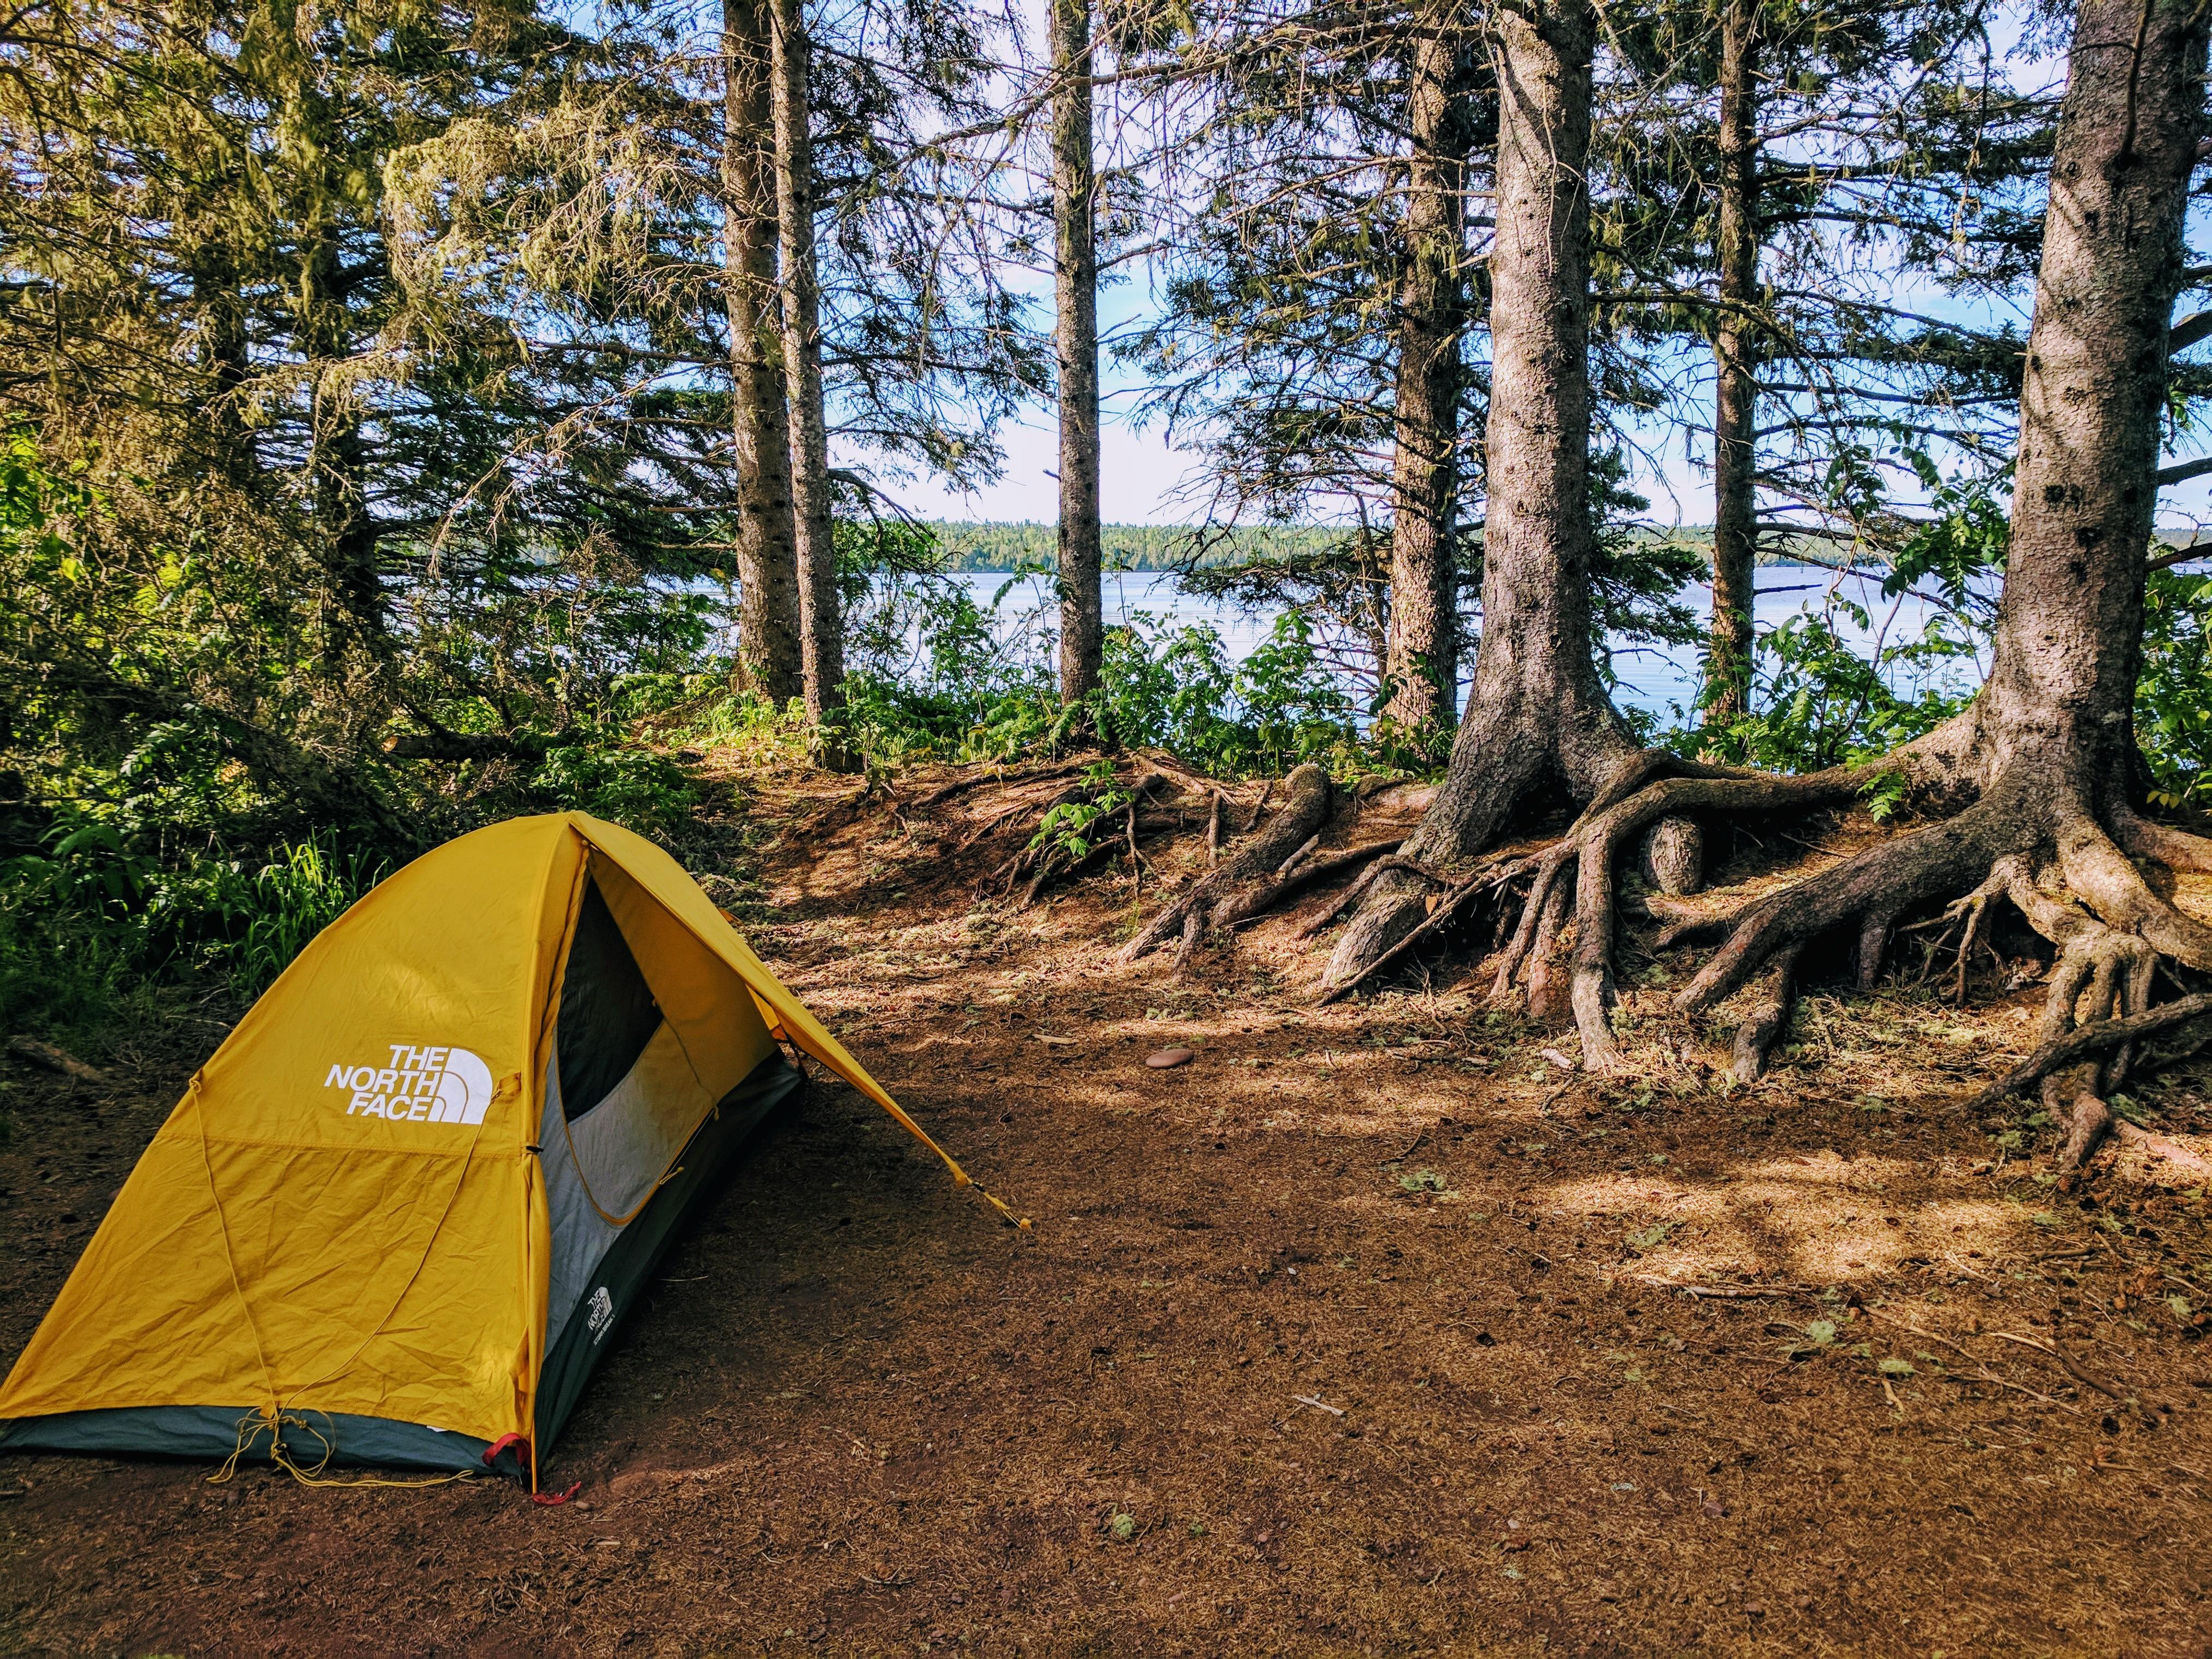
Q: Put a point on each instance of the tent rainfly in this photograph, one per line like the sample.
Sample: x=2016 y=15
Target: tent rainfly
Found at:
x=397 y=1213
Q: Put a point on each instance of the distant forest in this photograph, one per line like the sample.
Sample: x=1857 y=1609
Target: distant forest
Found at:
x=1127 y=546
x=973 y=546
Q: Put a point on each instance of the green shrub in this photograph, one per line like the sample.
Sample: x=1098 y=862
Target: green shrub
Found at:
x=639 y=788
x=90 y=927
x=2174 y=697
x=1173 y=687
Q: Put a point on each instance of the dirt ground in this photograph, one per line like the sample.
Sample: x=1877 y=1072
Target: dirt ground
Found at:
x=1363 y=1332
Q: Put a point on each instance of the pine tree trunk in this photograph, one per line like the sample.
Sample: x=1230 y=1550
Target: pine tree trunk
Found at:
x=821 y=625
x=1736 y=535
x=347 y=534
x=1535 y=672
x=1537 y=719
x=2061 y=692
x=2045 y=752
x=1075 y=294
x=1422 y=660
x=768 y=564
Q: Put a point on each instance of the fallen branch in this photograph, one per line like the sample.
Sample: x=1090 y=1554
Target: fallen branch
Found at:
x=2073 y=1367
x=1982 y=1371
x=2090 y=1039
x=1732 y=1293
x=45 y=1055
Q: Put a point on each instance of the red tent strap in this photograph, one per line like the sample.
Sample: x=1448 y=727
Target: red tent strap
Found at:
x=550 y=1498
x=519 y=1442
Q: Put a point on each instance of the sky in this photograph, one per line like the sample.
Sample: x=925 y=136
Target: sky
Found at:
x=1146 y=480
x=1143 y=479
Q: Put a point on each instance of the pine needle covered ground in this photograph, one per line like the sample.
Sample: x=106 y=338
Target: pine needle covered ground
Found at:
x=1373 y=1328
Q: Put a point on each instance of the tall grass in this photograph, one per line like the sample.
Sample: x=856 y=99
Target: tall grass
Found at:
x=287 y=902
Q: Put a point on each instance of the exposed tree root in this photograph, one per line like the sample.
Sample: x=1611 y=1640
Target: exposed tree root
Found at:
x=2040 y=850
x=2053 y=863
x=1561 y=948
x=2176 y=849
x=1260 y=872
x=1325 y=914
x=1674 y=856
x=1694 y=930
x=1492 y=874
x=2077 y=1045
x=1756 y=1037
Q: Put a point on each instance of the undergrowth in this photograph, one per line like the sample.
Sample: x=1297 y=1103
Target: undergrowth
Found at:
x=90 y=930
x=171 y=853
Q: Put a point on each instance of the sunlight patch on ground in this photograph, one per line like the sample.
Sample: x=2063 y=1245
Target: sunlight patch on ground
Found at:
x=1819 y=1219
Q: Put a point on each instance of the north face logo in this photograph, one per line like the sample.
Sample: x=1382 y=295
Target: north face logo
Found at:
x=602 y=1313
x=421 y=1085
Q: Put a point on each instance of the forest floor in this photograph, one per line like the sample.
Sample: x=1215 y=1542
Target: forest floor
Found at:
x=1362 y=1332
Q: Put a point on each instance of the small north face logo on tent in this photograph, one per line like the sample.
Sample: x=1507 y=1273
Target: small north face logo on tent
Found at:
x=421 y=1085
x=602 y=1313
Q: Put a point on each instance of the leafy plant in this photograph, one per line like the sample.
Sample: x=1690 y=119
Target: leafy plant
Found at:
x=288 y=901
x=2174 y=697
x=1065 y=829
x=637 y=788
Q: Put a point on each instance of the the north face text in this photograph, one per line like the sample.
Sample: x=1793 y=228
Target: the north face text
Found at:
x=419 y=1085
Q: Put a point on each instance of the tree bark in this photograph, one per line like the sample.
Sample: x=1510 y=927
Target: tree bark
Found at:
x=1422 y=655
x=821 y=623
x=1253 y=876
x=2044 y=752
x=769 y=660
x=2062 y=684
x=1537 y=718
x=1075 y=295
x=1736 y=535
x=347 y=534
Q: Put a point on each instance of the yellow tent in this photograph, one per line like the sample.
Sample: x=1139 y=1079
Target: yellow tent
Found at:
x=397 y=1213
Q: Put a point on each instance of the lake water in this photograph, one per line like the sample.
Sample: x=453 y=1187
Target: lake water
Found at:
x=1656 y=680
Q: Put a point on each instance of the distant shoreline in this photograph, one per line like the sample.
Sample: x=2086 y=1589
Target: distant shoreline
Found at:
x=981 y=548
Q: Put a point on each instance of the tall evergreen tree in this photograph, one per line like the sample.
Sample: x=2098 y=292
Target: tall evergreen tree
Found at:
x=770 y=631
x=821 y=647
x=1537 y=718
x=1075 y=304
x=1421 y=665
x=1774 y=170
